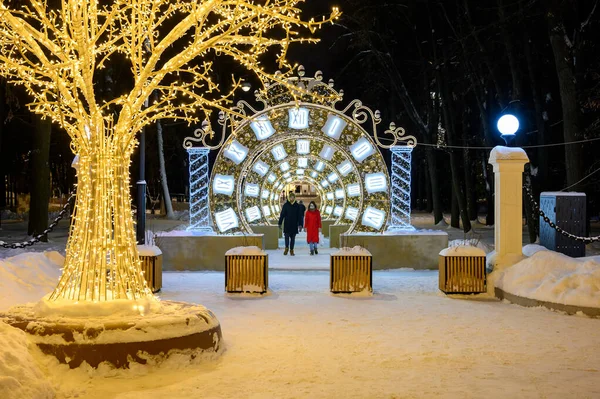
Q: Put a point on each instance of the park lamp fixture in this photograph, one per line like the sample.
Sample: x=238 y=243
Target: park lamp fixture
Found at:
x=246 y=86
x=508 y=125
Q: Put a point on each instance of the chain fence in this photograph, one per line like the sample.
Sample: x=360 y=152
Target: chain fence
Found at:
x=37 y=238
x=536 y=208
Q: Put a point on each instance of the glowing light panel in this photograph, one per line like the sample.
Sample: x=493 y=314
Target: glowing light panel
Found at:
x=284 y=166
x=252 y=214
x=264 y=194
x=325 y=183
x=262 y=128
x=333 y=177
x=362 y=149
x=266 y=210
x=303 y=162
x=223 y=184
x=261 y=168
x=313 y=174
x=345 y=168
x=279 y=152
x=303 y=147
x=334 y=126
x=339 y=193
x=271 y=178
x=353 y=190
x=226 y=220
x=327 y=152
x=351 y=213
x=338 y=210
x=236 y=152
x=319 y=166
x=300 y=172
x=251 y=190
x=373 y=217
x=329 y=196
x=298 y=118
x=329 y=210
x=375 y=182
x=287 y=174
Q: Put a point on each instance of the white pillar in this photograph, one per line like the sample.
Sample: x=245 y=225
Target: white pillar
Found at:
x=400 y=190
x=509 y=164
x=199 y=180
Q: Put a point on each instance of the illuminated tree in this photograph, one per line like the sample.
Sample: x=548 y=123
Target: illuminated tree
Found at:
x=57 y=53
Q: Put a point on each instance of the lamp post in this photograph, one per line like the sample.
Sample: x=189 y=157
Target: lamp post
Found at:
x=508 y=125
x=508 y=164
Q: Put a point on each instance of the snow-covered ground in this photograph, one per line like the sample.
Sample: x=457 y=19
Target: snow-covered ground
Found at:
x=408 y=340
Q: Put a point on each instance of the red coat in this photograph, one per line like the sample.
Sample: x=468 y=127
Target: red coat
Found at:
x=312 y=224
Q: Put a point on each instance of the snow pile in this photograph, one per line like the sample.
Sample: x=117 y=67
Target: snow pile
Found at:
x=532 y=249
x=471 y=243
x=149 y=250
x=20 y=376
x=462 y=250
x=29 y=276
x=552 y=277
x=507 y=153
x=356 y=251
x=253 y=250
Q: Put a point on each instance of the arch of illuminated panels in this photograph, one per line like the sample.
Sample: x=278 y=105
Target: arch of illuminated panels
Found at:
x=294 y=142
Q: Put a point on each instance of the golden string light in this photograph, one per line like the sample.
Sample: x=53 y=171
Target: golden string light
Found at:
x=55 y=54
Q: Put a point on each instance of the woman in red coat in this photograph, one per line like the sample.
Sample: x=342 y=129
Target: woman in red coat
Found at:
x=312 y=225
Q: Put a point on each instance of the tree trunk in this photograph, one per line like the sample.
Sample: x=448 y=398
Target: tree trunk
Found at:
x=454 y=210
x=568 y=94
x=102 y=261
x=40 y=177
x=488 y=176
x=468 y=170
x=517 y=81
x=163 y=171
x=435 y=186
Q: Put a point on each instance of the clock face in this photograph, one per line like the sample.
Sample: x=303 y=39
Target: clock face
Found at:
x=304 y=144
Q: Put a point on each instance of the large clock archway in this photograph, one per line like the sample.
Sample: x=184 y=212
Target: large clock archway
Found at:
x=292 y=139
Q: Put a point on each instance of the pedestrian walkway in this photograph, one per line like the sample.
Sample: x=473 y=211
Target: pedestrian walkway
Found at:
x=302 y=260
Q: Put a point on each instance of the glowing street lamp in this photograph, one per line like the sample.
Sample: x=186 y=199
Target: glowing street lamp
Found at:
x=507 y=126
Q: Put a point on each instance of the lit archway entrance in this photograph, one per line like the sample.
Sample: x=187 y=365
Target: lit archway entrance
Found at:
x=290 y=141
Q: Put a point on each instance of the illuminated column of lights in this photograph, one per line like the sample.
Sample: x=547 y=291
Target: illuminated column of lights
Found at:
x=199 y=180
x=400 y=199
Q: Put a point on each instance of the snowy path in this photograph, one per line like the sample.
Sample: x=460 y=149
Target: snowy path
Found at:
x=406 y=341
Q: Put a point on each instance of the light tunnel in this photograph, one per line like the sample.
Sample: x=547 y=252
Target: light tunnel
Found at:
x=299 y=142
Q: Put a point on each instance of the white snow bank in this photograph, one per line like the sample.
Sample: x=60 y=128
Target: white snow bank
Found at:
x=552 y=277
x=20 y=376
x=462 y=250
x=27 y=277
x=356 y=251
x=253 y=250
x=531 y=249
x=149 y=250
x=508 y=153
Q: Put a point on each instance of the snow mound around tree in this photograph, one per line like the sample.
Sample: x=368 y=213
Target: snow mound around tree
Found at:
x=28 y=277
x=552 y=277
x=20 y=376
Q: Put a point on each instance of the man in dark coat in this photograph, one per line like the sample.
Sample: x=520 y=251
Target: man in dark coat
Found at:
x=302 y=210
x=290 y=217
